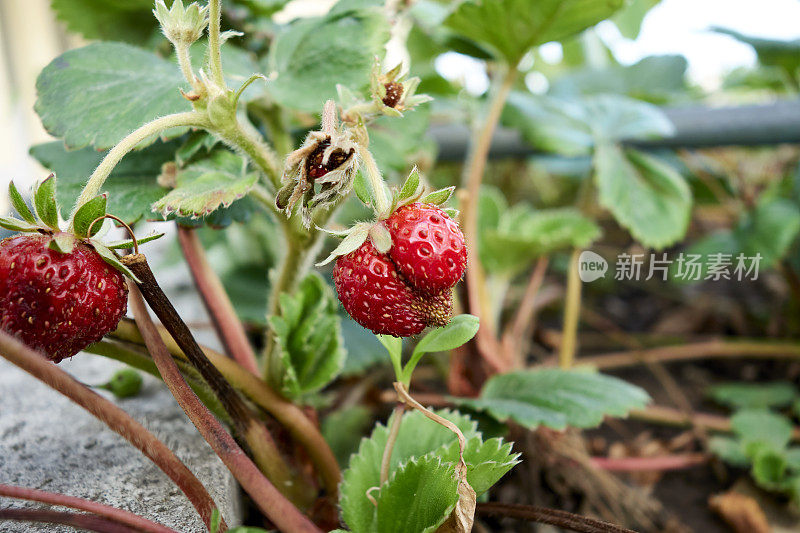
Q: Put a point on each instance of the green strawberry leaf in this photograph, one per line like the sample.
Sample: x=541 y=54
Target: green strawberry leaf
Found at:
x=487 y=461
x=743 y=395
x=769 y=230
x=645 y=195
x=509 y=28
x=19 y=204
x=418 y=437
x=761 y=426
x=97 y=94
x=509 y=239
x=207 y=185
x=114 y=20
x=87 y=214
x=308 y=333
x=44 y=202
x=343 y=430
x=457 y=332
x=556 y=398
x=132 y=187
x=573 y=126
x=729 y=450
x=312 y=55
x=419 y=496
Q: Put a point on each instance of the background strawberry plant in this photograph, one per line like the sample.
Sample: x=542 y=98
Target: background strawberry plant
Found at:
x=260 y=146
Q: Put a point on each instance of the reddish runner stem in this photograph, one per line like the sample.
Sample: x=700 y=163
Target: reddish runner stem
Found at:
x=112 y=513
x=303 y=430
x=650 y=464
x=554 y=517
x=227 y=324
x=248 y=429
x=268 y=499
x=86 y=522
x=114 y=417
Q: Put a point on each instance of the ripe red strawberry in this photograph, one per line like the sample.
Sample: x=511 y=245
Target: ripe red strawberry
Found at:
x=373 y=293
x=427 y=247
x=54 y=302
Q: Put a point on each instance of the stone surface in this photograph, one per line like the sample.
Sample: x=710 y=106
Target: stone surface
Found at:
x=49 y=443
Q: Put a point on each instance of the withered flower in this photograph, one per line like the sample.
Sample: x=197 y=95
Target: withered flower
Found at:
x=321 y=170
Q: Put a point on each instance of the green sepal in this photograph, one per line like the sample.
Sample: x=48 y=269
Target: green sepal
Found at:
x=111 y=258
x=438 y=197
x=410 y=186
x=19 y=204
x=15 y=224
x=363 y=191
x=128 y=243
x=62 y=243
x=355 y=238
x=381 y=238
x=88 y=213
x=44 y=201
x=451 y=212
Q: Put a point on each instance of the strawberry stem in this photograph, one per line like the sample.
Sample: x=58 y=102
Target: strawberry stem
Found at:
x=214 y=50
x=106 y=511
x=302 y=429
x=115 y=155
x=268 y=499
x=227 y=324
x=85 y=522
x=114 y=417
x=246 y=426
x=383 y=203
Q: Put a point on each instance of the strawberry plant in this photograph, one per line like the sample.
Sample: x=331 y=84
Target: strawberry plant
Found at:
x=376 y=314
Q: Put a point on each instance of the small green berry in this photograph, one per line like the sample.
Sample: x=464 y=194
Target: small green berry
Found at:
x=124 y=383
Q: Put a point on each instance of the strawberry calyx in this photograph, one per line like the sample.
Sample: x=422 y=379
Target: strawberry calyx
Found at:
x=64 y=236
x=412 y=191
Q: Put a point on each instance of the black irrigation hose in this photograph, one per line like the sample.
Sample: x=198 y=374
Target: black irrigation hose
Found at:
x=695 y=126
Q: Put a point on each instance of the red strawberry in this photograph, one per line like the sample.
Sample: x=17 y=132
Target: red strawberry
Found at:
x=373 y=293
x=427 y=247
x=57 y=303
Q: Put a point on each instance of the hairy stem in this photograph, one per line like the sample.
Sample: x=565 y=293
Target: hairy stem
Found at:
x=80 y=521
x=268 y=499
x=114 y=417
x=185 y=63
x=214 y=45
x=242 y=136
x=394 y=431
x=375 y=179
x=227 y=324
x=572 y=310
x=106 y=511
x=472 y=178
x=246 y=426
x=302 y=429
x=103 y=170
x=554 y=517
